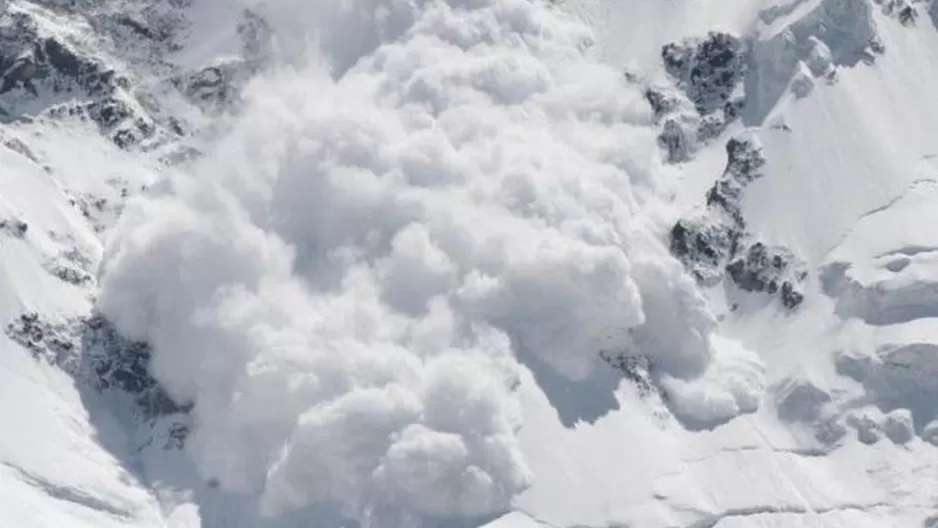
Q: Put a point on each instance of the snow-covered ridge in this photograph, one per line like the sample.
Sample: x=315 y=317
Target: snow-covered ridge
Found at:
x=426 y=263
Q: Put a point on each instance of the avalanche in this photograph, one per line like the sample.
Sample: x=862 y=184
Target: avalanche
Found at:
x=412 y=263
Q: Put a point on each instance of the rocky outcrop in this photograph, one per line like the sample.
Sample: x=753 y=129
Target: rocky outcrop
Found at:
x=45 y=341
x=722 y=77
x=46 y=74
x=704 y=246
x=49 y=70
x=905 y=11
x=766 y=269
x=708 y=73
x=121 y=364
x=13 y=227
x=714 y=243
x=97 y=357
x=68 y=272
x=635 y=368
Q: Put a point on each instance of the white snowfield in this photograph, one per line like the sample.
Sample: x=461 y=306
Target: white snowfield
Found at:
x=420 y=275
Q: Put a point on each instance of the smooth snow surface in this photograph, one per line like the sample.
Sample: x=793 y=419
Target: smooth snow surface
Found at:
x=420 y=276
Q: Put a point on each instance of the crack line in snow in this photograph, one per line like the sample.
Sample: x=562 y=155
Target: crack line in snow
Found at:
x=68 y=494
x=714 y=519
x=548 y=524
x=807 y=453
x=910 y=189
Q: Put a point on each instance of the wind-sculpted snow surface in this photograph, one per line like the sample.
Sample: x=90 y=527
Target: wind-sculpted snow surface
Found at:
x=343 y=286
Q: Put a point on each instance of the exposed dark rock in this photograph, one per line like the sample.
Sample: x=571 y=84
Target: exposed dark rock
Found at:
x=791 y=298
x=66 y=69
x=159 y=24
x=14 y=227
x=635 y=368
x=725 y=194
x=109 y=112
x=678 y=139
x=902 y=10
x=908 y=15
x=100 y=359
x=100 y=211
x=75 y=82
x=19 y=73
x=45 y=341
x=123 y=364
x=48 y=74
x=662 y=102
x=69 y=273
x=139 y=27
x=744 y=165
x=773 y=270
x=715 y=243
x=709 y=73
x=17 y=145
x=708 y=70
x=58 y=76
x=704 y=246
x=745 y=160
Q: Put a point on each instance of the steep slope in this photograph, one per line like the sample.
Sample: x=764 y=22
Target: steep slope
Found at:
x=78 y=87
x=465 y=263
x=847 y=419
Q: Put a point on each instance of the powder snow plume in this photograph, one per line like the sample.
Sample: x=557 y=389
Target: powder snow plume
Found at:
x=342 y=286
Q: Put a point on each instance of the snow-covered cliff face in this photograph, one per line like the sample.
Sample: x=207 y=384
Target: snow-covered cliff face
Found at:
x=406 y=263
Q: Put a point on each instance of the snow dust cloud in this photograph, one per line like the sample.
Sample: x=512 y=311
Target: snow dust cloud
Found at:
x=342 y=285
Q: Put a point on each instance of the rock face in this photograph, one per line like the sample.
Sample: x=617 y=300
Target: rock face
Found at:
x=98 y=357
x=709 y=71
x=13 y=227
x=714 y=243
x=121 y=364
x=765 y=269
x=905 y=11
x=107 y=64
x=704 y=246
x=46 y=75
x=721 y=77
x=708 y=74
x=48 y=70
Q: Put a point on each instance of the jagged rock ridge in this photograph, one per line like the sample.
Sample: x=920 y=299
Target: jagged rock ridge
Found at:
x=715 y=243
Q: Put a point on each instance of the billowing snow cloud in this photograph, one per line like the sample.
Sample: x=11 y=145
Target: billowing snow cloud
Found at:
x=342 y=286
x=732 y=384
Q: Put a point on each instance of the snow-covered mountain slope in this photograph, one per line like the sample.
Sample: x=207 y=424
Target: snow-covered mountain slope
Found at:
x=416 y=263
